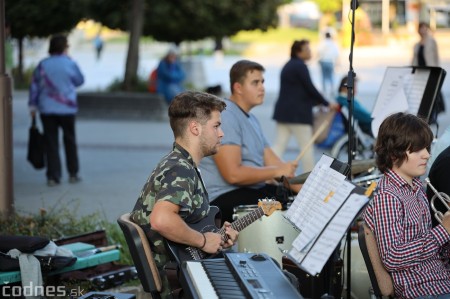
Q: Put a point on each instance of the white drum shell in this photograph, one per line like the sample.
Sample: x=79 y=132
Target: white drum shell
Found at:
x=268 y=234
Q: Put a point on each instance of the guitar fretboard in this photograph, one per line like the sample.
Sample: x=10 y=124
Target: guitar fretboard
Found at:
x=243 y=222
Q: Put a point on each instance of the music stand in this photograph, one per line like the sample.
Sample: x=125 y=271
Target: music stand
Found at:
x=408 y=89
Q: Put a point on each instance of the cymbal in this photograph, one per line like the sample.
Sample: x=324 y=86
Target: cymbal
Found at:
x=300 y=179
x=359 y=166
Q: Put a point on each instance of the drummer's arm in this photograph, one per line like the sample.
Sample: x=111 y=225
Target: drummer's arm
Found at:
x=295 y=187
x=270 y=158
x=229 y=162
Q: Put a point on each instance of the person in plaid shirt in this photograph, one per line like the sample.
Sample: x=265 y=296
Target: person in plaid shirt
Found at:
x=411 y=250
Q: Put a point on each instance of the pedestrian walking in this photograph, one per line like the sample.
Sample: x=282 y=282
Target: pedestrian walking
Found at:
x=53 y=95
x=328 y=57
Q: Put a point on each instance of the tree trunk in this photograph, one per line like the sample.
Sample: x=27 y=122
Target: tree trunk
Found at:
x=19 y=76
x=136 y=22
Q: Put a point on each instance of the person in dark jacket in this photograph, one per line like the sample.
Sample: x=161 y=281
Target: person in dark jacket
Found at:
x=294 y=107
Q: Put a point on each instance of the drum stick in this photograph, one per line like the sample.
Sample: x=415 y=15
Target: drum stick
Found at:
x=322 y=127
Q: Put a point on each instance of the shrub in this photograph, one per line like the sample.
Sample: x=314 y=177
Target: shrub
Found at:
x=62 y=221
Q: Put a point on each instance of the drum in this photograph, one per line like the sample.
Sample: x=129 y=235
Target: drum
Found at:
x=360 y=281
x=269 y=234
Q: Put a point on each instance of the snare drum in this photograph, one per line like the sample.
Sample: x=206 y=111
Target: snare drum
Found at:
x=269 y=234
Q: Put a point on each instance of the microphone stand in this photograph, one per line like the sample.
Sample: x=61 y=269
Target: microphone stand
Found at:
x=350 y=99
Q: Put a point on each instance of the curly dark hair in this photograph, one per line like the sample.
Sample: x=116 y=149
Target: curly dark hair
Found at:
x=398 y=134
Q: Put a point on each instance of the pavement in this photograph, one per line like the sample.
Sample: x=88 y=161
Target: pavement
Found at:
x=116 y=157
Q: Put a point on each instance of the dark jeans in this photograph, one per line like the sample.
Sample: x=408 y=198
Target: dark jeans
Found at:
x=51 y=124
x=242 y=196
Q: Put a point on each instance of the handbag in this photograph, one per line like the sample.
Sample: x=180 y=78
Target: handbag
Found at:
x=30 y=244
x=320 y=116
x=36 y=150
x=48 y=263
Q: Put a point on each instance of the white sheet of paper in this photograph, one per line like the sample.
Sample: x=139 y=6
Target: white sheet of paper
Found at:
x=322 y=249
x=320 y=217
x=400 y=91
x=307 y=204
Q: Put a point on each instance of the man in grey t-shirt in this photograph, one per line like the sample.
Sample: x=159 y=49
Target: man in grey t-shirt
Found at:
x=245 y=167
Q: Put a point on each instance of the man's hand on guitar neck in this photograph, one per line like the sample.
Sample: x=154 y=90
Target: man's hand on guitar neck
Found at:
x=231 y=235
x=215 y=242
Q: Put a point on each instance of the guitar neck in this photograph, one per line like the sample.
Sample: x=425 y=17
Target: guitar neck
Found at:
x=245 y=221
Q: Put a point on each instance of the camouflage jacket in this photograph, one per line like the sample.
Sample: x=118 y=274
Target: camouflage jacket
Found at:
x=177 y=180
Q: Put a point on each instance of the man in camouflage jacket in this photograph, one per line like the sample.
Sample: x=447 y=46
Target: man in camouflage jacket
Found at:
x=174 y=194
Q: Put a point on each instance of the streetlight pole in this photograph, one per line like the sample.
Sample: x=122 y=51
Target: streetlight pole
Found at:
x=6 y=155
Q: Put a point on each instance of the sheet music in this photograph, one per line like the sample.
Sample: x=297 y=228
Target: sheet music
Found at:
x=324 y=245
x=320 y=217
x=415 y=89
x=322 y=211
x=392 y=88
x=310 y=201
x=402 y=90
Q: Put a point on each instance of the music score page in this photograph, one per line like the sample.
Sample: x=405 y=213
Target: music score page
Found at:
x=323 y=210
x=310 y=203
x=402 y=90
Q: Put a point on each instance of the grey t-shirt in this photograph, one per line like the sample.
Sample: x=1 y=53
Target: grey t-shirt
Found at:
x=239 y=129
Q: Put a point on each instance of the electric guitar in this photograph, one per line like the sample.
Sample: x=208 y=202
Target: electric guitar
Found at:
x=180 y=252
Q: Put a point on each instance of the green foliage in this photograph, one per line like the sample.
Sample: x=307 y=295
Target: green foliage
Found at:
x=197 y=19
x=111 y=13
x=177 y=21
x=139 y=86
x=62 y=221
x=42 y=18
x=278 y=35
x=329 y=6
x=27 y=75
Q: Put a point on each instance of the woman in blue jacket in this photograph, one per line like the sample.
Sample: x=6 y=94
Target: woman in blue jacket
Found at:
x=170 y=76
x=53 y=95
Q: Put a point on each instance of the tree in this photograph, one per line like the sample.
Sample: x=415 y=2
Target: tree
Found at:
x=30 y=18
x=179 y=20
x=197 y=19
x=329 y=6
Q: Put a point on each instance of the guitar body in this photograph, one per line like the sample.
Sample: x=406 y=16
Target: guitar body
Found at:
x=180 y=252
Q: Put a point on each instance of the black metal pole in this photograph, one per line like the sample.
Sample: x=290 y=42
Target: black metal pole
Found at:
x=350 y=99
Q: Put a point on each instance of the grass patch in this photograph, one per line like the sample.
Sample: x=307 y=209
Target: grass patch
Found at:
x=275 y=35
x=141 y=85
